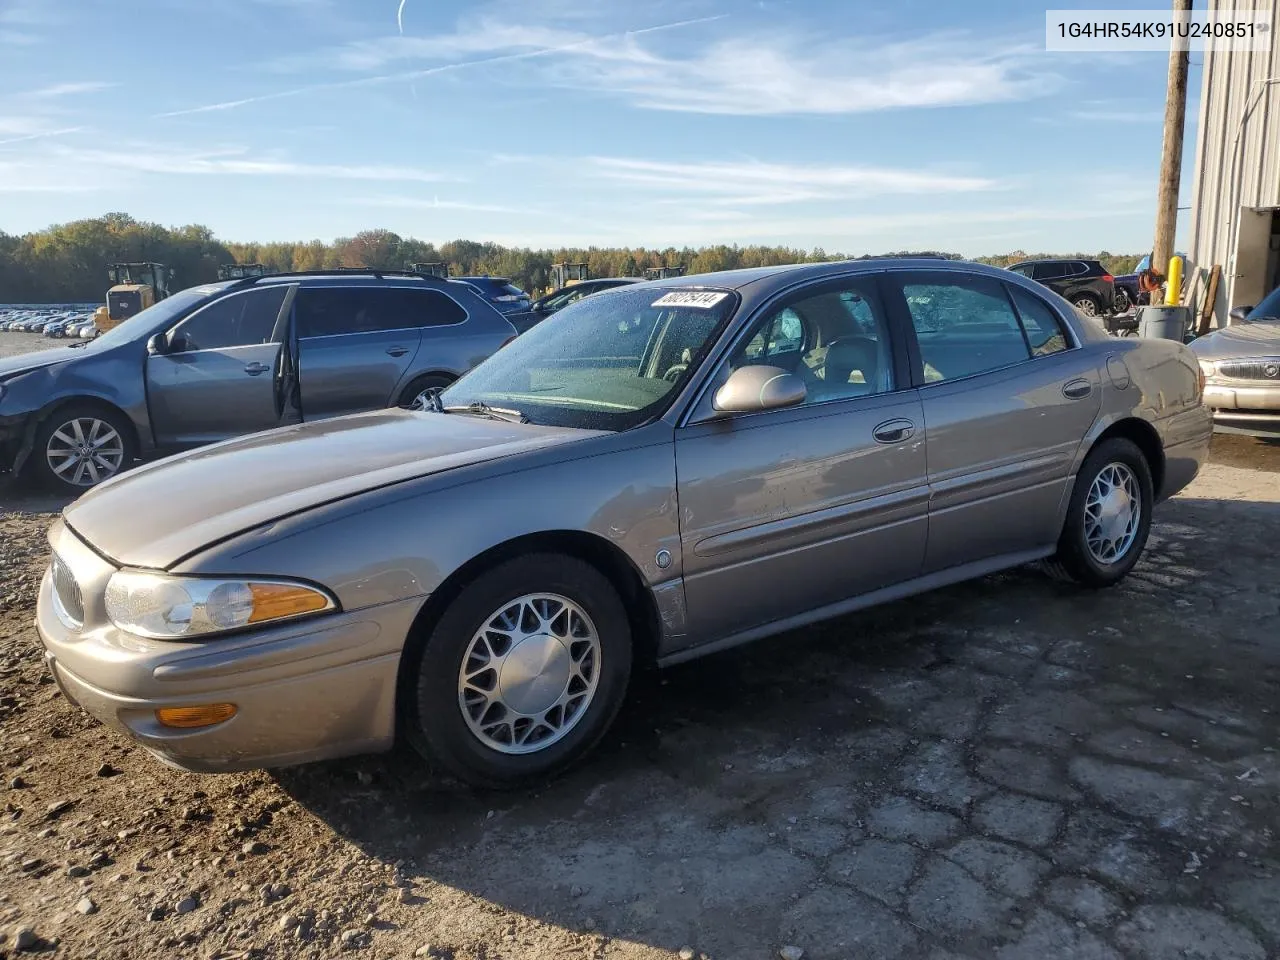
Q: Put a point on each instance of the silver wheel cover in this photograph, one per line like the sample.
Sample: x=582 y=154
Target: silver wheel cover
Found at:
x=529 y=673
x=85 y=451
x=1112 y=512
x=1085 y=306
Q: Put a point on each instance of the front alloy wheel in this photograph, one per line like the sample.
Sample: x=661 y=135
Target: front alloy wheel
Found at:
x=521 y=674
x=81 y=445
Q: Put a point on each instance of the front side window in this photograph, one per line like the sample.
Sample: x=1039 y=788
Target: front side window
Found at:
x=238 y=320
x=836 y=341
x=965 y=326
x=609 y=361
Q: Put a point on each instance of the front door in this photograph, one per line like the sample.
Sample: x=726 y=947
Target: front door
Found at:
x=219 y=375
x=1007 y=404
x=786 y=511
x=354 y=345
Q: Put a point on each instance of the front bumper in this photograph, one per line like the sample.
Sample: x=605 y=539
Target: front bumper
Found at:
x=1253 y=410
x=304 y=691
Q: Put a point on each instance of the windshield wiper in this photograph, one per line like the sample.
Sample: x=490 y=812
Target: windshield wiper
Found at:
x=79 y=343
x=480 y=409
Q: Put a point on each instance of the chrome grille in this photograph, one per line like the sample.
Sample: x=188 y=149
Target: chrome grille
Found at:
x=1259 y=368
x=67 y=592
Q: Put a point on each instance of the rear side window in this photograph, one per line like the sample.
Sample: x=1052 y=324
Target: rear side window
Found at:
x=334 y=311
x=1050 y=271
x=1045 y=335
x=965 y=326
x=240 y=320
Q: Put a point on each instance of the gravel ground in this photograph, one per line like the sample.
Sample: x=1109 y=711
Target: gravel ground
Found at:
x=1008 y=768
x=12 y=344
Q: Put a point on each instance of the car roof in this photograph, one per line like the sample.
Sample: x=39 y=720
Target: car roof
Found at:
x=764 y=280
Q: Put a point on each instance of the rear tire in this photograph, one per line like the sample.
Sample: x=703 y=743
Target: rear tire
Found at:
x=81 y=445
x=413 y=397
x=1108 y=518
x=494 y=717
x=1087 y=305
x=1121 y=304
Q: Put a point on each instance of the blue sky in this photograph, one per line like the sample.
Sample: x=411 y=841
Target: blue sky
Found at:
x=851 y=125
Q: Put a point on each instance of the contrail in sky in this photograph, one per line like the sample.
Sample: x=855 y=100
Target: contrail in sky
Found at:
x=400 y=16
x=431 y=71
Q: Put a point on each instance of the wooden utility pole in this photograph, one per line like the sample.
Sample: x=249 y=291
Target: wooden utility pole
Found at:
x=1175 y=112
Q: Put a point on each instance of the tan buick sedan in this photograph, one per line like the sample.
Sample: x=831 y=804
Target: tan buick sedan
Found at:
x=652 y=474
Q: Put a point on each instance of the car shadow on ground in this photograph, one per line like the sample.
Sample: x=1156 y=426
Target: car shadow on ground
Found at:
x=983 y=748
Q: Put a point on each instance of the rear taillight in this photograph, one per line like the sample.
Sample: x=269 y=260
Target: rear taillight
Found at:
x=1109 y=278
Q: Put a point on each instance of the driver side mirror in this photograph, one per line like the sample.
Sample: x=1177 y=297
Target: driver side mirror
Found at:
x=158 y=344
x=1238 y=314
x=757 y=387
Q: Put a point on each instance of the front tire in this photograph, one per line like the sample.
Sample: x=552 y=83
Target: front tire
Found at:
x=1108 y=518
x=522 y=674
x=81 y=445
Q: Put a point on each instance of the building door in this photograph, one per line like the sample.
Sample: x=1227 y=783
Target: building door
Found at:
x=1253 y=277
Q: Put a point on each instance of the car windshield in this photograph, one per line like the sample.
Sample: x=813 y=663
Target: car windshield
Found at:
x=1268 y=309
x=607 y=362
x=156 y=315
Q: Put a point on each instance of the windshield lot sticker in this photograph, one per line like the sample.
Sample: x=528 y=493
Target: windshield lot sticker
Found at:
x=704 y=299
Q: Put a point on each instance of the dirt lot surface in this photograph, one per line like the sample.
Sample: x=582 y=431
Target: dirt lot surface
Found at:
x=13 y=344
x=1010 y=768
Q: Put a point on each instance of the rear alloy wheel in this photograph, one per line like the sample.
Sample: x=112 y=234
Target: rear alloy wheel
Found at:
x=1108 y=518
x=80 y=446
x=522 y=674
x=1121 y=302
x=417 y=395
x=1086 y=305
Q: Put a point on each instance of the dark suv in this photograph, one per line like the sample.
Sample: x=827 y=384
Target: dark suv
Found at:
x=1085 y=283
x=225 y=359
x=505 y=296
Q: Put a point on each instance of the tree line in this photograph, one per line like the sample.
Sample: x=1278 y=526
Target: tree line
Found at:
x=68 y=262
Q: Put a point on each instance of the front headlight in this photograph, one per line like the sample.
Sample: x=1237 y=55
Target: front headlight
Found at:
x=1208 y=367
x=162 y=607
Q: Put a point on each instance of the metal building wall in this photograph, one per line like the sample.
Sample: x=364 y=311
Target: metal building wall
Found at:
x=1228 y=174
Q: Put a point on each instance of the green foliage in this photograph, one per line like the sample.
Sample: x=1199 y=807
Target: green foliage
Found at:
x=68 y=262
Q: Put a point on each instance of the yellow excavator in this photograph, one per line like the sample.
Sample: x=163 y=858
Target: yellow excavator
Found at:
x=134 y=287
x=567 y=274
x=238 y=271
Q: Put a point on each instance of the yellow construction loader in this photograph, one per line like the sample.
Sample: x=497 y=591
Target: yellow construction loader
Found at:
x=134 y=287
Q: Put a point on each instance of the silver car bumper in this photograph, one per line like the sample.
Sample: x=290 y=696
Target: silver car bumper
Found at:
x=1245 y=409
x=305 y=691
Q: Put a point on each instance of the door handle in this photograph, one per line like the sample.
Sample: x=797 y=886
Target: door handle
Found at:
x=1077 y=389
x=894 y=431
x=397 y=351
x=255 y=368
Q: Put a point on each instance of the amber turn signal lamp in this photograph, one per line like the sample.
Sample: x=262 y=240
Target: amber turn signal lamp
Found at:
x=272 y=601
x=186 y=718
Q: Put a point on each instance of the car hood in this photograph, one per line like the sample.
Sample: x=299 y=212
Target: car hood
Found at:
x=159 y=514
x=1239 y=340
x=11 y=366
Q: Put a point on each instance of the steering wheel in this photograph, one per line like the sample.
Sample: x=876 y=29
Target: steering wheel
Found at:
x=674 y=371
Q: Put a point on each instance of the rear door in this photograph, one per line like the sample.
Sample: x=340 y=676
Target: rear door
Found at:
x=1007 y=399
x=220 y=374
x=786 y=511
x=1055 y=275
x=354 y=345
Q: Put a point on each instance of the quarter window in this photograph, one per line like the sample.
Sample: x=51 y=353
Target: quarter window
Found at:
x=1045 y=335
x=965 y=326
x=836 y=341
x=332 y=311
x=239 y=320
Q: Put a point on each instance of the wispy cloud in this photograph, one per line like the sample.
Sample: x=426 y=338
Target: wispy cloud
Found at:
x=67 y=89
x=411 y=75
x=787 y=71
x=754 y=182
x=26 y=137
x=435 y=203
x=150 y=159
